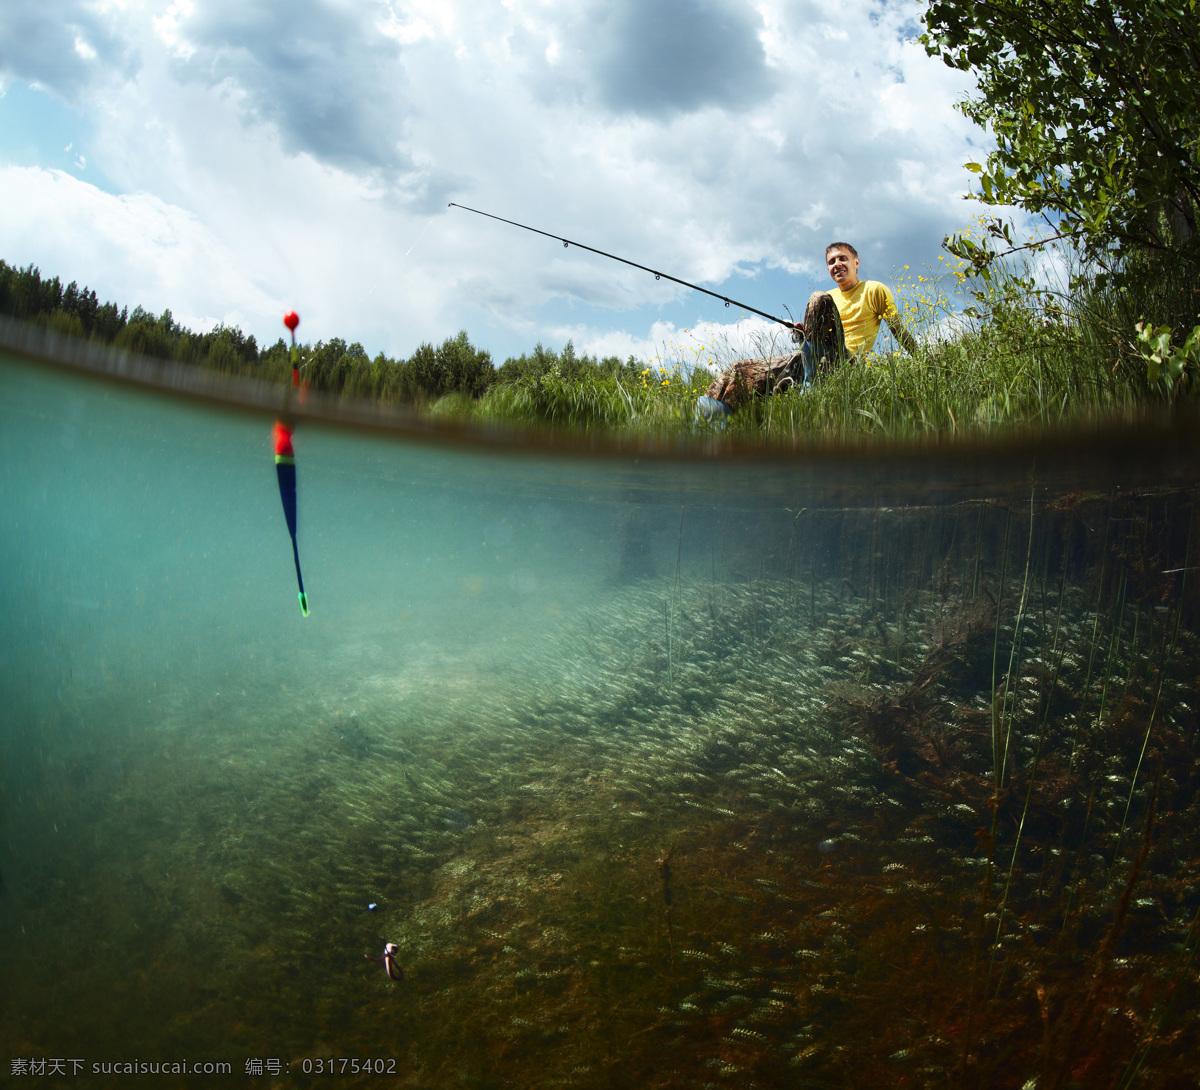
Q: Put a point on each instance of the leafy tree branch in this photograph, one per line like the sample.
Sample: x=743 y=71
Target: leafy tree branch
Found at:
x=1095 y=110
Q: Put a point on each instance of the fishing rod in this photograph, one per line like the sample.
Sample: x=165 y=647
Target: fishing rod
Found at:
x=799 y=326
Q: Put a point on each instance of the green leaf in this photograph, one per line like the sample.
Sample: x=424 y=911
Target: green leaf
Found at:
x=1095 y=111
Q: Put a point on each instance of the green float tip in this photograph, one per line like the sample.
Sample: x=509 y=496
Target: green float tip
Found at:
x=303 y=603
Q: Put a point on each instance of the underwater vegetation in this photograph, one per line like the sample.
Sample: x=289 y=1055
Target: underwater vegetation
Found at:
x=887 y=797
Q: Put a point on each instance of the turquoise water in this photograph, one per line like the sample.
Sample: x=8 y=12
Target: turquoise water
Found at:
x=775 y=771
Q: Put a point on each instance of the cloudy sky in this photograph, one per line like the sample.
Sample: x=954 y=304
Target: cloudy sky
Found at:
x=232 y=159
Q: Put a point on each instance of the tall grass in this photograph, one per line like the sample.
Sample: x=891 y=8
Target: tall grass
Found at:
x=1003 y=355
x=646 y=403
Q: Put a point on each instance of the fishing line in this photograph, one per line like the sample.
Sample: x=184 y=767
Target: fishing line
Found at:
x=418 y=238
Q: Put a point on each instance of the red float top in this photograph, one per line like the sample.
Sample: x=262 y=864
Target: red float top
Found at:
x=291 y=319
x=282 y=435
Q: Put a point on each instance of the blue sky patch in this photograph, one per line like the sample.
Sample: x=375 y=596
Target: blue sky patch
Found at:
x=38 y=130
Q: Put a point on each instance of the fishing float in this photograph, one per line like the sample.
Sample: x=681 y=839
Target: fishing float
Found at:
x=285 y=460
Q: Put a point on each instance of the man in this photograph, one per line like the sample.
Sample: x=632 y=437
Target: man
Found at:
x=845 y=321
x=862 y=304
x=838 y=323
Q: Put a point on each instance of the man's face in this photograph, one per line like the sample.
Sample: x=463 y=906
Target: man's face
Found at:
x=843 y=267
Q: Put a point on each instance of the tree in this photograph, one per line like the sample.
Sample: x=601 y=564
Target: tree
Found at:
x=147 y=335
x=468 y=370
x=1095 y=108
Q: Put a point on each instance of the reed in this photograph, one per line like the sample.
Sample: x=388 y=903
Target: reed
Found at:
x=1170 y=636
x=1042 y=729
x=1087 y=683
x=1145 y=1046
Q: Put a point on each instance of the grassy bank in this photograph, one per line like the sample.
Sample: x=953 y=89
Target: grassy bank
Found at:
x=993 y=356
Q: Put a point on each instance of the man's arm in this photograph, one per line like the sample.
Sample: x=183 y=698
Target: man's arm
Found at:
x=886 y=310
x=907 y=341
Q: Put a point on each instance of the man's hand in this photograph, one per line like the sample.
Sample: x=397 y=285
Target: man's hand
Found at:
x=797 y=329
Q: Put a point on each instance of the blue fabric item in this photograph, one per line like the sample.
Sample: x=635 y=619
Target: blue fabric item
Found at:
x=709 y=408
x=815 y=355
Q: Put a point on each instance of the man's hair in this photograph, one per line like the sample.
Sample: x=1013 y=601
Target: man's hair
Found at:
x=840 y=246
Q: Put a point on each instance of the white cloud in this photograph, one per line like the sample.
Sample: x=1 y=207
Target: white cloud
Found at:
x=167 y=27
x=156 y=254
x=307 y=154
